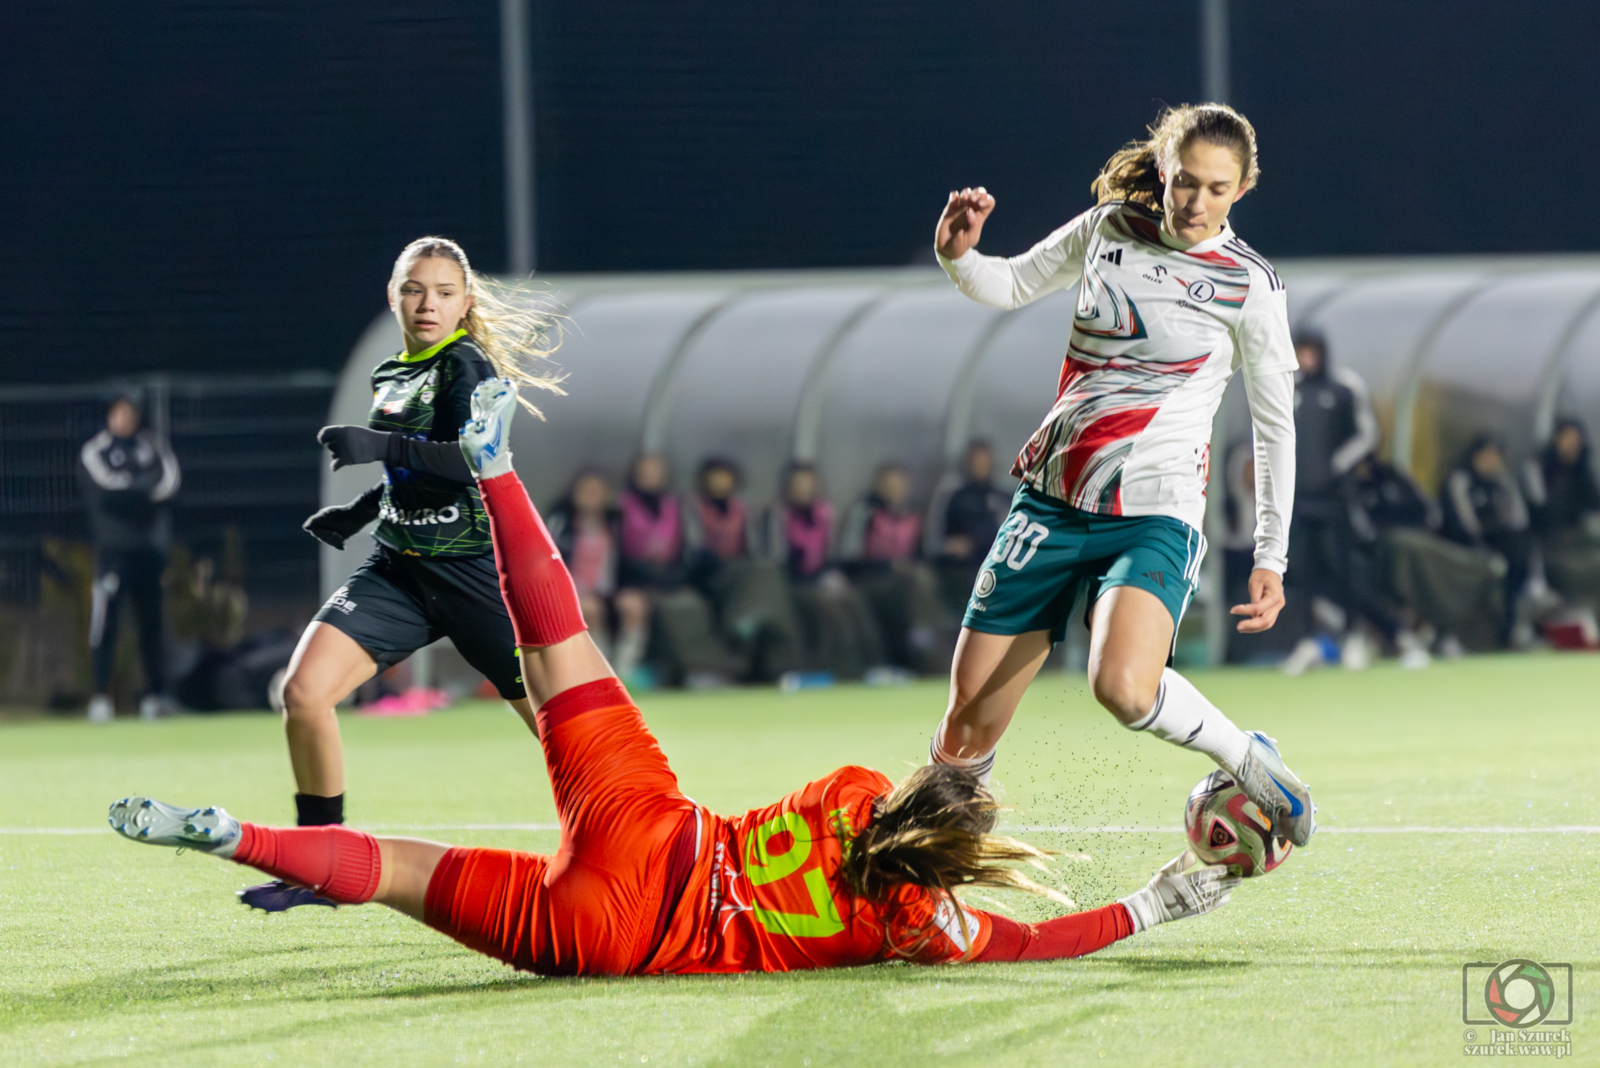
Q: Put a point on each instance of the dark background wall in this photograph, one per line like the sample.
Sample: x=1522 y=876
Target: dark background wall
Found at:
x=221 y=185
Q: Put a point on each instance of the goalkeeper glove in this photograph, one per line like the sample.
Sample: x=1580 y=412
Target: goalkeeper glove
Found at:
x=1174 y=894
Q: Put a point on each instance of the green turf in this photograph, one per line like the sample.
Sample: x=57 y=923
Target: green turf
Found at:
x=1350 y=954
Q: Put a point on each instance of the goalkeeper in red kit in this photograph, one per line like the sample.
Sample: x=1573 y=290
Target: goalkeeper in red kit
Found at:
x=847 y=870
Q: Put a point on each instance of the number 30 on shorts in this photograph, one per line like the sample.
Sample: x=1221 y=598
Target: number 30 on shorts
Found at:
x=1018 y=540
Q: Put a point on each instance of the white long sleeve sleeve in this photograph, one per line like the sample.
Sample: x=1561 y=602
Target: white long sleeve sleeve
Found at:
x=1010 y=282
x=1272 y=413
x=1267 y=356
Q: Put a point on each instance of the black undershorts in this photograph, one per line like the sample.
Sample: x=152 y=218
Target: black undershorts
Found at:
x=395 y=604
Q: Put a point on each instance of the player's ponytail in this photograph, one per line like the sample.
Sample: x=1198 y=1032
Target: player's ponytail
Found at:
x=1134 y=173
x=934 y=831
x=515 y=331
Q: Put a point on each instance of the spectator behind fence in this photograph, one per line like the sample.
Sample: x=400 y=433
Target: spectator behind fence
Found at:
x=587 y=528
x=652 y=528
x=1334 y=428
x=1383 y=501
x=652 y=568
x=1484 y=509
x=966 y=530
x=129 y=475
x=748 y=594
x=800 y=529
x=838 y=632
x=717 y=525
x=1438 y=585
x=1565 y=505
x=881 y=541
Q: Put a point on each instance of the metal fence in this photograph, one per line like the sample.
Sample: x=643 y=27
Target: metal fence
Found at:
x=247 y=448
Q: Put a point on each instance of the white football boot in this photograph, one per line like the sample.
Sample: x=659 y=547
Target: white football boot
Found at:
x=1176 y=894
x=486 y=439
x=1277 y=791
x=101 y=709
x=210 y=830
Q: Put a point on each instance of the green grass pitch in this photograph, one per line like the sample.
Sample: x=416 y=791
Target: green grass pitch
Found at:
x=1350 y=954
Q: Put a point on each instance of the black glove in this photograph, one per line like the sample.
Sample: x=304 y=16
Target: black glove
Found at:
x=351 y=445
x=337 y=522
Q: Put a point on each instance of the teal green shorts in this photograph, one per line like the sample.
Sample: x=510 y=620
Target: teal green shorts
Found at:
x=1047 y=551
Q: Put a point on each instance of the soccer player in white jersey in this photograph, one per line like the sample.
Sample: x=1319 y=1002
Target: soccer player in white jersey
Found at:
x=1170 y=302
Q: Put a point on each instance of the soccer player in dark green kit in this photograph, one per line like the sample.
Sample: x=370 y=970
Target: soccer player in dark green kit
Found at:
x=433 y=573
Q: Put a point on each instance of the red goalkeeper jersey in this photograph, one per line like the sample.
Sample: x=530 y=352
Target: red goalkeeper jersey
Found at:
x=766 y=895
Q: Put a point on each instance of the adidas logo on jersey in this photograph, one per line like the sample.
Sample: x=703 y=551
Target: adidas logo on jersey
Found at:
x=1113 y=257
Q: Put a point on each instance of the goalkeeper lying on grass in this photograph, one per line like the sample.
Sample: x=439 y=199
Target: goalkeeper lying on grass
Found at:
x=847 y=870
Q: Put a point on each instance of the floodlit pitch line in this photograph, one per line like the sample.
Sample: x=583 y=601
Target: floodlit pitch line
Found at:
x=1576 y=828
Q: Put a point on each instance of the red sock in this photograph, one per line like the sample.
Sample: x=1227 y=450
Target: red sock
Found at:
x=338 y=863
x=534 y=581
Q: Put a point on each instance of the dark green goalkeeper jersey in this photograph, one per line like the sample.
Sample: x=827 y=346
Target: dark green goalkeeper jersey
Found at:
x=427 y=395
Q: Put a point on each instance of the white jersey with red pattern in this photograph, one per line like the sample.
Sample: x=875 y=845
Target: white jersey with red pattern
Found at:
x=1157 y=332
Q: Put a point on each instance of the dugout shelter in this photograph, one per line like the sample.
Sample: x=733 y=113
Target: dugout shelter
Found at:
x=850 y=369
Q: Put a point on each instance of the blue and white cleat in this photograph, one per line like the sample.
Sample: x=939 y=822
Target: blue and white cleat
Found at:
x=486 y=439
x=1277 y=791
x=210 y=830
x=279 y=896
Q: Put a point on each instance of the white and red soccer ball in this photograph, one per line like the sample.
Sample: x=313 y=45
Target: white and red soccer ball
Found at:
x=1225 y=827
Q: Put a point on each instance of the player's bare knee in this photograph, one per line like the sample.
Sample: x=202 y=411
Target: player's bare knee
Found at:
x=1123 y=693
x=306 y=699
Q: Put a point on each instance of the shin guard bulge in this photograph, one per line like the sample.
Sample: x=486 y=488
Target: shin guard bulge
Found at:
x=338 y=863
x=537 y=588
x=1182 y=715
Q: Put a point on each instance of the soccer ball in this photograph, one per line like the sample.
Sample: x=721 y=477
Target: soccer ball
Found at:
x=1225 y=827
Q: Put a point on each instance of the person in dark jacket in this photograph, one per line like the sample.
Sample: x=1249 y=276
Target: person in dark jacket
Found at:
x=1565 y=505
x=974 y=512
x=129 y=476
x=1382 y=501
x=1484 y=509
x=972 y=517
x=1334 y=428
x=1561 y=484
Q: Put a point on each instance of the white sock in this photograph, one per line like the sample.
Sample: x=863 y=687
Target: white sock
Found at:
x=1183 y=716
x=982 y=766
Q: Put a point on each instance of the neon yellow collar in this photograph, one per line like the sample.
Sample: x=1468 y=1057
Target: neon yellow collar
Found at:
x=432 y=350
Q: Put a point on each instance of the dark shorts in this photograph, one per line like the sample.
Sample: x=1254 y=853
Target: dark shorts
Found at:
x=395 y=604
x=1047 y=551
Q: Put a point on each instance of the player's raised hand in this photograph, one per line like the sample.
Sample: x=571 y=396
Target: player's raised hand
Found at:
x=351 y=445
x=962 y=222
x=1266 y=601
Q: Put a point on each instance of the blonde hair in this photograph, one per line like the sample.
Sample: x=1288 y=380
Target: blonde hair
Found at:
x=517 y=333
x=1134 y=173
x=934 y=831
